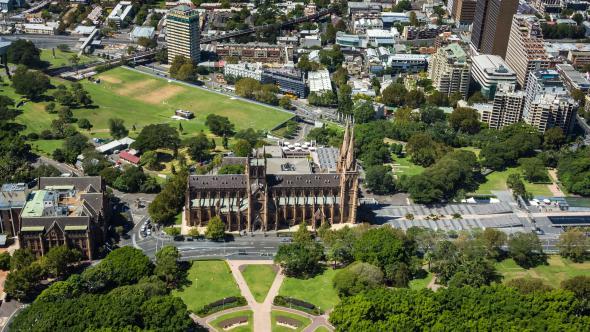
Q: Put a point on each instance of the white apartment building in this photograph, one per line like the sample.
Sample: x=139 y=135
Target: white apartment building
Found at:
x=507 y=108
x=120 y=12
x=490 y=71
x=548 y=111
x=450 y=69
x=361 y=25
x=245 y=69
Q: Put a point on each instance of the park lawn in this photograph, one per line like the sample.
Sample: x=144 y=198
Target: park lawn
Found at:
x=278 y=328
x=497 y=181
x=46 y=147
x=472 y=149
x=61 y=58
x=241 y=328
x=209 y=281
x=558 y=270
x=259 y=278
x=418 y=284
x=322 y=329
x=406 y=167
x=317 y=290
x=140 y=99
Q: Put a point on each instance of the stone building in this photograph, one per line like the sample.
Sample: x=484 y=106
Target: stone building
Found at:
x=65 y=211
x=281 y=187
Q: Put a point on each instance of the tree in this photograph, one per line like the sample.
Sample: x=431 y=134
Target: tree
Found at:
x=167 y=264
x=22 y=283
x=573 y=244
x=305 y=65
x=533 y=169
x=24 y=52
x=344 y=99
x=414 y=99
x=526 y=249
x=285 y=102
x=21 y=258
x=73 y=146
x=364 y=112
x=117 y=128
x=127 y=265
x=573 y=171
x=242 y=148
x=528 y=285
x=169 y=202
x=166 y=313
x=5 y=261
x=430 y=114
x=390 y=250
x=246 y=87
x=150 y=160
x=300 y=259
x=579 y=285
x=465 y=119
x=393 y=95
x=59 y=258
x=199 y=147
x=215 y=229
x=182 y=68
x=219 y=125
x=32 y=84
x=84 y=124
x=553 y=138
x=379 y=179
x=356 y=278
x=423 y=150
x=157 y=136
x=493 y=240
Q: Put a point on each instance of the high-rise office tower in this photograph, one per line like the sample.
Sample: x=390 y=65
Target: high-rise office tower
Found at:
x=464 y=11
x=526 y=50
x=491 y=26
x=182 y=33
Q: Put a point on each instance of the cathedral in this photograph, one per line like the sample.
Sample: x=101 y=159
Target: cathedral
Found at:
x=280 y=187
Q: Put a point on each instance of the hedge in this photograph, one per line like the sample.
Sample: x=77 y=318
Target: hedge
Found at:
x=225 y=303
x=285 y=301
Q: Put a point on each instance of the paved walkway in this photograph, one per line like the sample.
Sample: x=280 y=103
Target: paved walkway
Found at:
x=554 y=187
x=262 y=321
x=316 y=321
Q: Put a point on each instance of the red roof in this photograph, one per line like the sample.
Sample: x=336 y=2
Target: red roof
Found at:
x=125 y=155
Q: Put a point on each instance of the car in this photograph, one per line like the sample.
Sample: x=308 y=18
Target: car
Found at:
x=148 y=232
x=287 y=239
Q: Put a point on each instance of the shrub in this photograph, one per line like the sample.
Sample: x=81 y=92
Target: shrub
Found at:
x=286 y=301
x=225 y=303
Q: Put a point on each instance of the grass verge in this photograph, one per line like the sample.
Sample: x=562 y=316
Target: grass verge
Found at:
x=259 y=278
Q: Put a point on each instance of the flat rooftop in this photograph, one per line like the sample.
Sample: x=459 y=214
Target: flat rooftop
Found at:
x=288 y=166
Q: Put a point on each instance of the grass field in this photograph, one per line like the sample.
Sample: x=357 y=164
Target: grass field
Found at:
x=140 y=100
x=278 y=328
x=497 y=181
x=317 y=290
x=61 y=58
x=242 y=328
x=421 y=283
x=406 y=167
x=259 y=279
x=553 y=274
x=209 y=281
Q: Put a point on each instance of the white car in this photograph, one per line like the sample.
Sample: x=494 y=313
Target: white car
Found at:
x=149 y=232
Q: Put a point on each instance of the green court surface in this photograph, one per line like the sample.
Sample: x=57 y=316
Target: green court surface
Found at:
x=317 y=290
x=259 y=278
x=208 y=281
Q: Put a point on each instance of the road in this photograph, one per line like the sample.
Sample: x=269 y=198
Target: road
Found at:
x=62 y=167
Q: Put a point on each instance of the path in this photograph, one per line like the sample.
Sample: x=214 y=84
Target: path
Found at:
x=262 y=321
x=433 y=285
x=206 y=321
x=316 y=321
x=555 y=190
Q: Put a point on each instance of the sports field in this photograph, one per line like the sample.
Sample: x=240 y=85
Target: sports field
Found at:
x=141 y=99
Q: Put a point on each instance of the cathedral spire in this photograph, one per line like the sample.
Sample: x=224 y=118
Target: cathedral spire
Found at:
x=350 y=152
